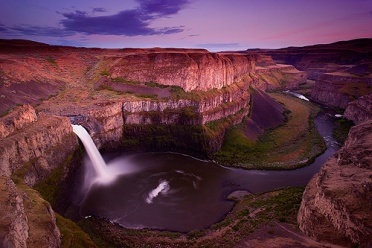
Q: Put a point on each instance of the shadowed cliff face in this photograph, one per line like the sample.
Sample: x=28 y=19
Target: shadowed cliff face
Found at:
x=336 y=203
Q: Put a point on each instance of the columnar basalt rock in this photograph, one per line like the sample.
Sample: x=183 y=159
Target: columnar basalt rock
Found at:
x=189 y=70
x=336 y=203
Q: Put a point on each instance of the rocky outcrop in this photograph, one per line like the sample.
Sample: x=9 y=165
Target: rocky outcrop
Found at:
x=13 y=220
x=336 y=204
x=26 y=220
x=278 y=77
x=359 y=110
x=17 y=120
x=33 y=152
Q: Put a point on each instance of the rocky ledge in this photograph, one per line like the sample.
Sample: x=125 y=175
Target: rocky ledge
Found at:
x=34 y=146
x=336 y=204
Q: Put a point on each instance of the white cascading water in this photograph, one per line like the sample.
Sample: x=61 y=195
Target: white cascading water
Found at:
x=99 y=164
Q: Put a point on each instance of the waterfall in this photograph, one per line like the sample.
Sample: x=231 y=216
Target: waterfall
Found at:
x=99 y=164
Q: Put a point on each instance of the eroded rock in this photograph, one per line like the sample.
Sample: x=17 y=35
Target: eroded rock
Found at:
x=359 y=110
x=336 y=204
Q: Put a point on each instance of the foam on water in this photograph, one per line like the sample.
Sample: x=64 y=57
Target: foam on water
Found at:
x=297 y=95
x=163 y=188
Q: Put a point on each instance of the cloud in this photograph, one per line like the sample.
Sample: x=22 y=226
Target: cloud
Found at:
x=3 y=28
x=162 y=7
x=219 y=45
x=37 y=31
x=131 y=22
x=99 y=10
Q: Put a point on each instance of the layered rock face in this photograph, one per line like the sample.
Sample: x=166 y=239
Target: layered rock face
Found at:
x=359 y=110
x=17 y=120
x=279 y=77
x=27 y=220
x=336 y=204
x=188 y=70
x=105 y=121
x=36 y=150
x=338 y=89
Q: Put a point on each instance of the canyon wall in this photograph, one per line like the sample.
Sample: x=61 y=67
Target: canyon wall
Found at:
x=338 y=89
x=278 y=77
x=106 y=120
x=336 y=205
x=34 y=146
x=190 y=70
x=31 y=148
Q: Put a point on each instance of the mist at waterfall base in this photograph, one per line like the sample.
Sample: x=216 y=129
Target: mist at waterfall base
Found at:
x=176 y=192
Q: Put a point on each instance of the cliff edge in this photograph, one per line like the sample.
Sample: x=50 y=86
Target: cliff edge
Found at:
x=336 y=204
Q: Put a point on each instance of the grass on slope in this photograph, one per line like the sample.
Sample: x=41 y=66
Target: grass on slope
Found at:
x=288 y=146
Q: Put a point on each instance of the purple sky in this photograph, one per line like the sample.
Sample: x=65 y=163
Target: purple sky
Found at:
x=212 y=24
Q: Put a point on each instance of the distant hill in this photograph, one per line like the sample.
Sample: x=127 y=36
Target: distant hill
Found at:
x=356 y=51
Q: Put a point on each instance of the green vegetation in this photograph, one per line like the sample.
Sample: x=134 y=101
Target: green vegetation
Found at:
x=355 y=90
x=52 y=61
x=104 y=72
x=161 y=137
x=289 y=146
x=40 y=220
x=124 y=81
x=342 y=129
x=72 y=234
x=151 y=96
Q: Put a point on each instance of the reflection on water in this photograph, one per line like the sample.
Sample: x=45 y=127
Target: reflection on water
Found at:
x=177 y=192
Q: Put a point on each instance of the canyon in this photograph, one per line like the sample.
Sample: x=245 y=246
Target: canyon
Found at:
x=181 y=100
